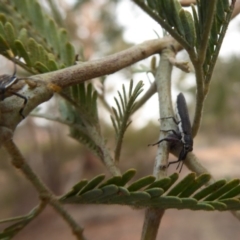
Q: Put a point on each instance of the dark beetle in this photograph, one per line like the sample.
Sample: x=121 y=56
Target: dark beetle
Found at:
x=6 y=82
x=184 y=133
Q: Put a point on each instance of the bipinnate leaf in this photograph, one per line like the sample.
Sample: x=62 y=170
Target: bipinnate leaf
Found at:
x=122 y=113
x=222 y=196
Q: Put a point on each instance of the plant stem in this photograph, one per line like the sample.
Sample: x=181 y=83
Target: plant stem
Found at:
x=163 y=81
x=151 y=223
x=44 y=193
x=107 y=65
x=33 y=214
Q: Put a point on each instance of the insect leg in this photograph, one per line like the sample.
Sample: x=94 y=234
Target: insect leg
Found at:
x=170 y=138
x=24 y=103
x=181 y=157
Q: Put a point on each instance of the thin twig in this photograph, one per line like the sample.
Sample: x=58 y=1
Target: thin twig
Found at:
x=33 y=214
x=199 y=98
x=44 y=193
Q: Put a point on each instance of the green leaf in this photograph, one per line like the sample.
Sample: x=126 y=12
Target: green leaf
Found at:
x=209 y=189
x=10 y=36
x=3 y=44
x=68 y=54
x=232 y=193
x=141 y=183
x=52 y=65
x=220 y=12
x=222 y=190
x=114 y=180
x=155 y=192
x=41 y=67
x=112 y=193
x=225 y=4
x=218 y=205
x=173 y=178
x=196 y=184
x=176 y=7
x=34 y=51
x=23 y=52
x=23 y=36
x=53 y=35
x=91 y=195
x=182 y=185
x=152 y=4
x=161 y=183
x=121 y=116
x=92 y=184
x=232 y=204
x=75 y=189
x=188 y=27
x=197 y=27
x=127 y=176
x=108 y=191
x=2 y=31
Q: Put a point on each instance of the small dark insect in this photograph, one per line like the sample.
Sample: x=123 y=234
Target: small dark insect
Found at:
x=184 y=133
x=6 y=82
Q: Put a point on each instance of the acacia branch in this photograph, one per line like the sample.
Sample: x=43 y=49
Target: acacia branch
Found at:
x=51 y=82
x=107 y=65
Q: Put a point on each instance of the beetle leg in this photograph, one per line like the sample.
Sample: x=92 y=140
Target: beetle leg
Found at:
x=181 y=157
x=170 y=138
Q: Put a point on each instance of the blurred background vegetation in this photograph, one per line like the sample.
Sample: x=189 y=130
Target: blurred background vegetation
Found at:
x=59 y=160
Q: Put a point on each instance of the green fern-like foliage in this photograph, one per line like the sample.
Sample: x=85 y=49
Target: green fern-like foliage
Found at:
x=121 y=115
x=175 y=20
x=189 y=193
x=191 y=29
x=79 y=109
x=221 y=19
x=28 y=32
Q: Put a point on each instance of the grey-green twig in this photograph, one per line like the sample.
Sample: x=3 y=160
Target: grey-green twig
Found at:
x=44 y=193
